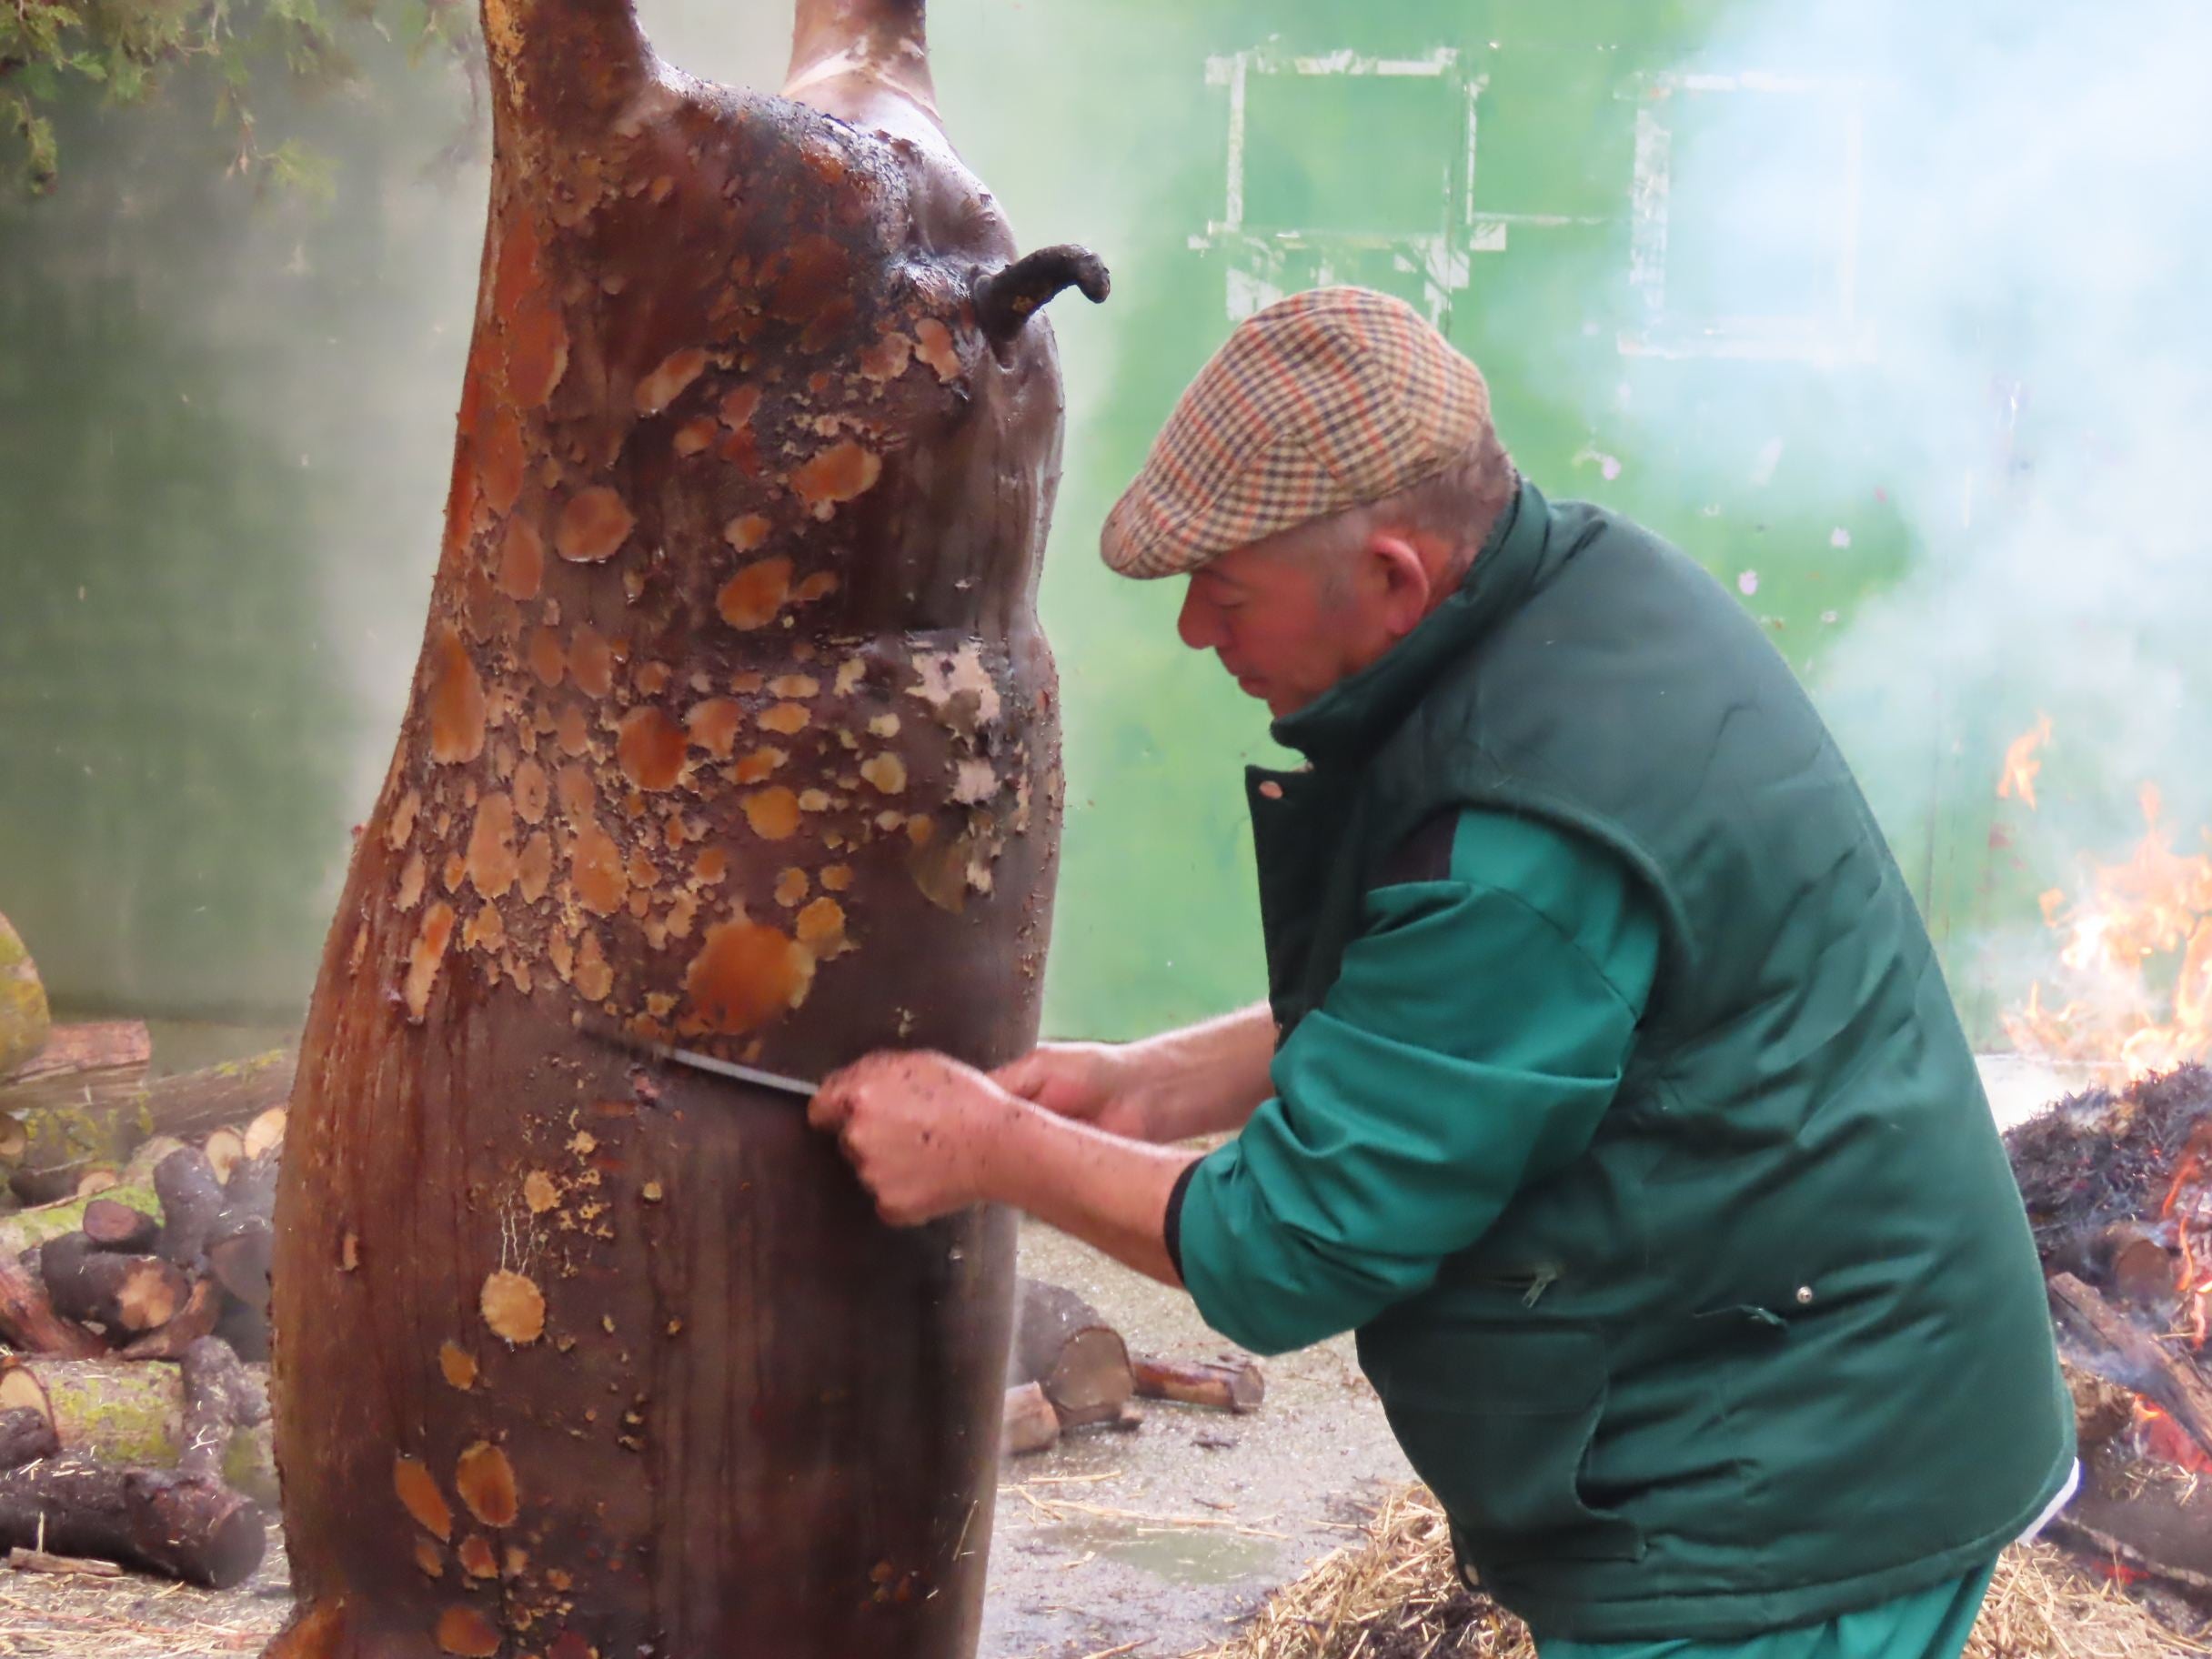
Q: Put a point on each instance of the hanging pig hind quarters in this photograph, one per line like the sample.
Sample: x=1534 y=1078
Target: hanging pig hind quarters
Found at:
x=25 y=1019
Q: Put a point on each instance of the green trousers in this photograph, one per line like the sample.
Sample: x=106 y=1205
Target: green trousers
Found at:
x=1933 y=1624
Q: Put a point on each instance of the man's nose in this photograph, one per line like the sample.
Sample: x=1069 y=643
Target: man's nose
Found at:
x=1195 y=623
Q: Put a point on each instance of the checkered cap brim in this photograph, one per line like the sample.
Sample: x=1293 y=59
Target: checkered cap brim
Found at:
x=1323 y=401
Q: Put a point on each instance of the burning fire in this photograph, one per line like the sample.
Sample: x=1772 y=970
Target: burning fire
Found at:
x=2137 y=921
x=2021 y=764
x=2159 y=1437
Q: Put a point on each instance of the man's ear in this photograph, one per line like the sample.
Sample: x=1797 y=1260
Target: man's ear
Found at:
x=1406 y=588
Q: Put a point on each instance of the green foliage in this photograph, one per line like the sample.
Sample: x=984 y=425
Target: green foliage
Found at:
x=119 y=52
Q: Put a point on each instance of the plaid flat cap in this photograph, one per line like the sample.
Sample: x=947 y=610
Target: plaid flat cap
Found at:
x=1323 y=401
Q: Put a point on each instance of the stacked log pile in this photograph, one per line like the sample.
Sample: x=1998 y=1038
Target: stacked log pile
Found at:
x=134 y=1292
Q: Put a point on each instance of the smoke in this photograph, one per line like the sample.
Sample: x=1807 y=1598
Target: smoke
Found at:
x=1986 y=226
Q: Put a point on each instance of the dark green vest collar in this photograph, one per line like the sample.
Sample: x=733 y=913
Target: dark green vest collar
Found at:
x=1345 y=723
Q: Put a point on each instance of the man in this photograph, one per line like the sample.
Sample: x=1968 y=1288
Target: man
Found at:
x=1608 y=1086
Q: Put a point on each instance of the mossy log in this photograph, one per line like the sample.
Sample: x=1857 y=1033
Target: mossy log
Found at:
x=25 y=1019
x=66 y=1138
x=133 y=1412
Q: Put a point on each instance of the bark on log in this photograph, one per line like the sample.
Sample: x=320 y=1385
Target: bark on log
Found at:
x=733 y=721
x=184 y=1523
x=25 y=1020
x=1063 y=1345
x=195 y=1319
x=26 y=1435
x=1228 y=1385
x=117 y=1296
x=79 y=1069
x=111 y=1225
x=132 y=1412
x=28 y=1323
x=156 y=1520
x=133 y=1184
x=2132 y=1359
x=68 y=1138
x=191 y=1199
x=1030 y=1423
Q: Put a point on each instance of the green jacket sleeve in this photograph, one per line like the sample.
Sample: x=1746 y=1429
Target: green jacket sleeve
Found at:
x=1475 y=1036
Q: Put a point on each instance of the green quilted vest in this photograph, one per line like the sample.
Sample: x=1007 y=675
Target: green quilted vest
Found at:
x=1776 y=1347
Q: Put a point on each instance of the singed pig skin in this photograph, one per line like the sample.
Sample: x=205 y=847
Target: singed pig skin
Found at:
x=733 y=725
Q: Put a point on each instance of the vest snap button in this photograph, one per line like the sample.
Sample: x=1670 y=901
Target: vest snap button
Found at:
x=1804 y=1295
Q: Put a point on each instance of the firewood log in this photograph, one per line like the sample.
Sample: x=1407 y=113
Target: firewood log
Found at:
x=116 y=1226
x=1031 y=1425
x=198 y=1319
x=225 y=1148
x=66 y=1138
x=26 y=1435
x=2131 y=1358
x=191 y=1199
x=133 y=1412
x=133 y=1185
x=1064 y=1345
x=117 y=1295
x=77 y=1068
x=183 y=1522
x=1227 y=1386
x=28 y=1321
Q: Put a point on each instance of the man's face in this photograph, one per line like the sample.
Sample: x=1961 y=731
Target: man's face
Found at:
x=1288 y=626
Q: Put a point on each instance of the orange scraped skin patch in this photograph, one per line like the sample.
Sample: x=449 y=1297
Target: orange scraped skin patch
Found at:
x=713 y=725
x=513 y=1307
x=458 y=1366
x=534 y=868
x=821 y=926
x=746 y=531
x=499 y=464
x=593 y=526
x=466 y=1632
x=696 y=436
x=418 y=1492
x=745 y=974
x=530 y=790
x=837 y=474
x=752 y=598
x=522 y=559
x=456 y=699
x=592 y=660
x=601 y=880
x=428 y=952
x=491 y=846
x=485 y=1481
x=933 y=344
x=773 y=813
x=651 y=747
x=666 y=383
x=548 y=661
x=784 y=718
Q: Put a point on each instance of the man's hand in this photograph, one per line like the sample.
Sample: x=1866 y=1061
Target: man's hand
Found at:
x=1093 y=1082
x=918 y=1127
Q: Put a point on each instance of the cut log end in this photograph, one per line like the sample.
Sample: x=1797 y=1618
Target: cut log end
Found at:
x=1030 y=1424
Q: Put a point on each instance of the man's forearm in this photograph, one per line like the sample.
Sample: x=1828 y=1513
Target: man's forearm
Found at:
x=1207 y=1079
x=1107 y=1191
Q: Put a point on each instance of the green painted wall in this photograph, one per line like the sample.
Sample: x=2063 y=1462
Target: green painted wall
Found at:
x=224 y=429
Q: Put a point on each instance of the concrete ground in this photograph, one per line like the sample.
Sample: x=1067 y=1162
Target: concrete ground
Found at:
x=1190 y=1519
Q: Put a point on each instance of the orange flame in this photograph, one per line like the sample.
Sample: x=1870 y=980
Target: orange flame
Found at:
x=2022 y=763
x=2137 y=920
x=2161 y=1437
